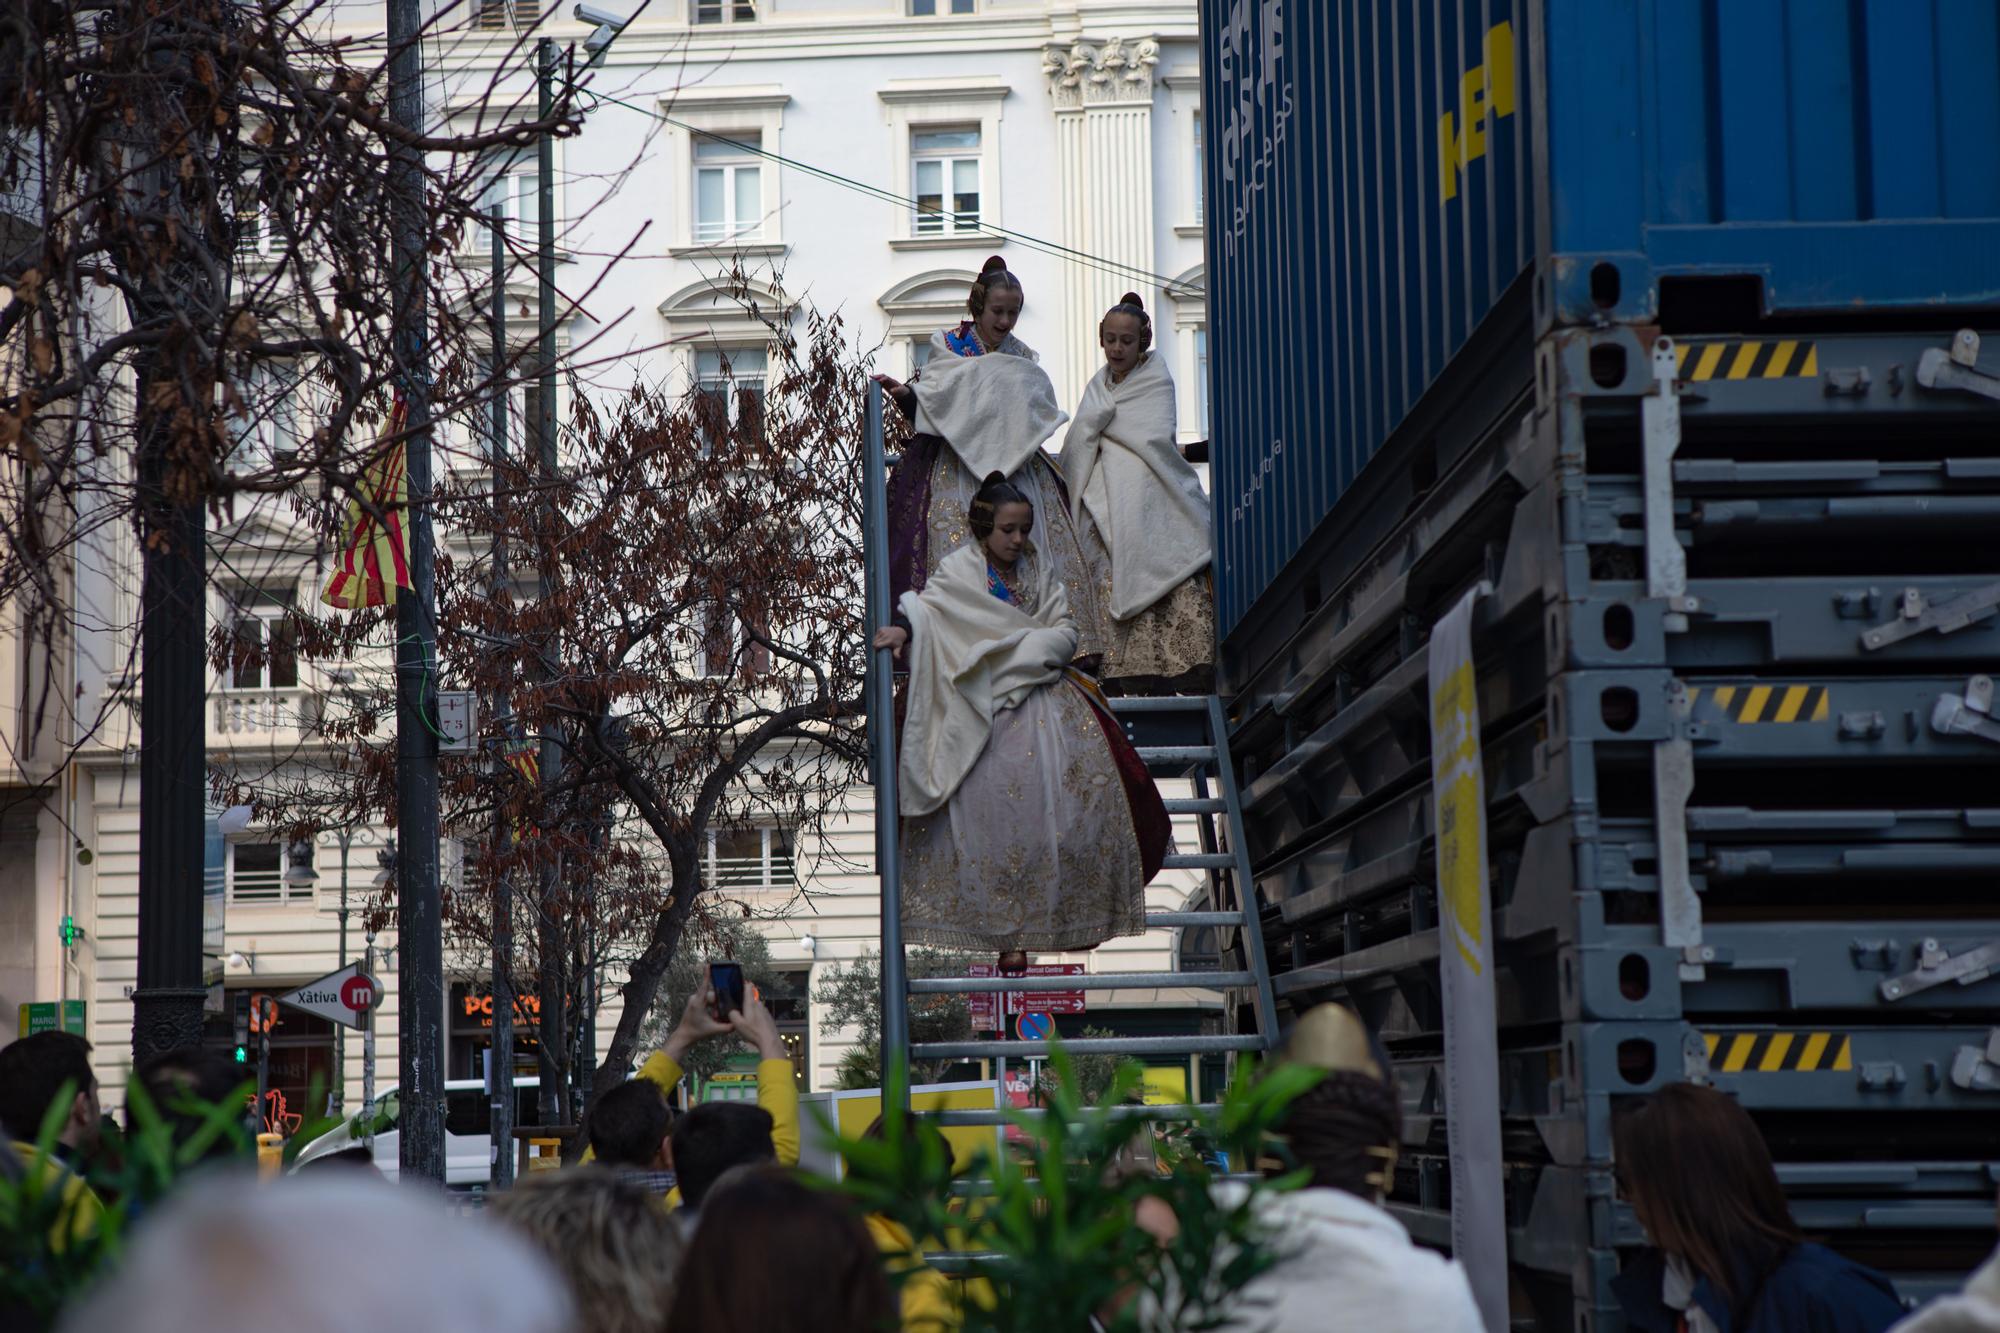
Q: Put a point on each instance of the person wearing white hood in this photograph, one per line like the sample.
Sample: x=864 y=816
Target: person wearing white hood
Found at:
x=1131 y=489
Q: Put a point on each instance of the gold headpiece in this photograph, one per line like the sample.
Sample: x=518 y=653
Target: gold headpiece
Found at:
x=1330 y=1037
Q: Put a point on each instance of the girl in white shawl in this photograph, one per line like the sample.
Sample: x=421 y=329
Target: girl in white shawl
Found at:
x=982 y=404
x=1131 y=489
x=1029 y=823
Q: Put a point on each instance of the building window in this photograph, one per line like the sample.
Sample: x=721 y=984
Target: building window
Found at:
x=728 y=187
x=264 y=645
x=264 y=423
x=729 y=391
x=1201 y=379
x=253 y=231
x=920 y=353
x=255 y=873
x=505 y=14
x=751 y=857
x=944 y=165
x=1200 y=184
x=727 y=643
x=510 y=182
x=725 y=11
x=926 y=8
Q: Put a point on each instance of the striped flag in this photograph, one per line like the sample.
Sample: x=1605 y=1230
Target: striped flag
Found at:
x=525 y=758
x=374 y=553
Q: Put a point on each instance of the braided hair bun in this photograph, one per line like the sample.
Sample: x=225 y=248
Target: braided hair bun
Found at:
x=993 y=492
x=993 y=275
x=1130 y=304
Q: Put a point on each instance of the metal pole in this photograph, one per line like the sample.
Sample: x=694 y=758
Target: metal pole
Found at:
x=882 y=738
x=263 y=1072
x=368 y=1053
x=420 y=940
x=503 y=889
x=336 y=1097
x=554 y=1027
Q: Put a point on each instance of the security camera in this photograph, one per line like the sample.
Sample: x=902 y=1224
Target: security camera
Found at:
x=603 y=17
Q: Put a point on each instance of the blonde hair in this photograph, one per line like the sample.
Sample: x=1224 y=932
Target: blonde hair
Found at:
x=615 y=1243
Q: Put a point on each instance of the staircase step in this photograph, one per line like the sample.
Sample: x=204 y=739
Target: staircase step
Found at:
x=1168 y=920
x=1181 y=755
x=1091 y=981
x=1204 y=1044
x=1162 y=703
x=1181 y=1112
x=1198 y=861
x=1194 y=805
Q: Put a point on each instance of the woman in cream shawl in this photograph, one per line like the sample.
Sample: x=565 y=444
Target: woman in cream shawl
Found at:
x=1131 y=489
x=983 y=404
x=1028 y=822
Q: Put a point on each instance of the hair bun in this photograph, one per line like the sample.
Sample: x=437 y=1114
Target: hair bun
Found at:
x=1131 y=298
x=992 y=477
x=993 y=264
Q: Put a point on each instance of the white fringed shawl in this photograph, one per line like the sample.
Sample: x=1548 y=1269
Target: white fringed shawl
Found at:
x=972 y=656
x=1125 y=470
x=995 y=409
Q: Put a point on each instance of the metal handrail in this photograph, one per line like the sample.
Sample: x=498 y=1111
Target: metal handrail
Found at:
x=882 y=748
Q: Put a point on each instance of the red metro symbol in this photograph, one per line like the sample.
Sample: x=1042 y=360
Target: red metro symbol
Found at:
x=357 y=994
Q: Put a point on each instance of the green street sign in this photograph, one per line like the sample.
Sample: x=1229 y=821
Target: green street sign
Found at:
x=52 y=1016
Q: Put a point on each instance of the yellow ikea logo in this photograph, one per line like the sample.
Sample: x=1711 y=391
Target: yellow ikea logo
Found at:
x=1485 y=90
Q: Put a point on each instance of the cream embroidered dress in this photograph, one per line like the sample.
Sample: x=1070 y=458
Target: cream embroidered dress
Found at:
x=1024 y=826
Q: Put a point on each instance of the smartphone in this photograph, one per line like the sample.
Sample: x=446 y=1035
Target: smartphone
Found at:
x=726 y=980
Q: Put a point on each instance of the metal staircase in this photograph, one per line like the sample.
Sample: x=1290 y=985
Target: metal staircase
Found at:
x=1180 y=736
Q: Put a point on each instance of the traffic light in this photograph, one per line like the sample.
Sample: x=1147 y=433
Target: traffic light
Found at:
x=242 y=1055
x=241 y=1017
x=70 y=934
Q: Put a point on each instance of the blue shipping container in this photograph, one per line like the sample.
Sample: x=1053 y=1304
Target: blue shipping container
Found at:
x=1392 y=180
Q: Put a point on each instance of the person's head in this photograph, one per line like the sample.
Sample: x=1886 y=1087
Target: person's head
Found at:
x=628 y=1126
x=1125 y=332
x=995 y=301
x=33 y=1071
x=1001 y=518
x=184 y=1085
x=1347 y=1128
x=231 y=1255
x=713 y=1137
x=776 y=1255
x=612 y=1240
x=1700 y=1180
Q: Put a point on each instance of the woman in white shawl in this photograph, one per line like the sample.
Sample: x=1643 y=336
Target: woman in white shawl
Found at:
x=1131 y=489
x=983 y=404
x=1028 y=821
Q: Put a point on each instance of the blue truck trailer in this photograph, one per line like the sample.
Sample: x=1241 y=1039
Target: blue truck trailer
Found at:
x=1670 y=324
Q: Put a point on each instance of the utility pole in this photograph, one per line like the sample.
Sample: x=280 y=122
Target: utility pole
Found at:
x=420 y=943
x=503 y=890
x=554 y=1026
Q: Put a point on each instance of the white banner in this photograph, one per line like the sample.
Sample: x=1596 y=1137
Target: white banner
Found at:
x=1465 y=960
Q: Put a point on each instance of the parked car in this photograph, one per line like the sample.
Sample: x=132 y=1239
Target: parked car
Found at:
x=468 y=1131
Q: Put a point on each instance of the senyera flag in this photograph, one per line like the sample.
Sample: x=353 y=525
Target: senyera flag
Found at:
x=374 y=551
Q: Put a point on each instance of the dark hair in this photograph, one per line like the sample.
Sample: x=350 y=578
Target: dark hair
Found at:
x=32 y=1071
x=1346 y=1129
x=993 y=273
x=715 y=1136
x=628 y=1122
x=1130 y=304
x=184 y=1086
x=995 y=491
x=1700 y=1178
x=775 y=1255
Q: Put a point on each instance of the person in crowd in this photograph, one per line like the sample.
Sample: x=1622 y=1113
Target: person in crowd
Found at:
x=1339 y=1249
x=777 y=1083
x=983 y=404
x=35 y=1073
x=777 y=1256
x=184 y=1086
x=715 y=1138
x=1130 y=485
x=1725 y=1255
x=1028 y=821
x=610 y=1238
x=321 y=1254
x=628 y=1132
x=1974 y=1309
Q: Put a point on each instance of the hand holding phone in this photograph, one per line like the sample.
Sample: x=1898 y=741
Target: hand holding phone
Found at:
x=725 y=981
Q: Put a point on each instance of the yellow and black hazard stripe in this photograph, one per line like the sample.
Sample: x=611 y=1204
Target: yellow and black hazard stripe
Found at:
x=1765 y=703
x=1784 y=358
x=1779 y=1052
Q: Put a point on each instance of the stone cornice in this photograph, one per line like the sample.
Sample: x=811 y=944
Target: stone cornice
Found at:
x=1112 y=73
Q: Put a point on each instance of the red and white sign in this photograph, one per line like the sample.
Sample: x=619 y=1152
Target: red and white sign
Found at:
x=986 y=1009
x=342 y=997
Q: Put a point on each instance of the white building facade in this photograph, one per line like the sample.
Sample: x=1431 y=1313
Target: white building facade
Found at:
x=859 y=155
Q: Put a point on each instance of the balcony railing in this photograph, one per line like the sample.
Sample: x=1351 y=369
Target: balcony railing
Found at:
x=748 y=872
x=262 y=717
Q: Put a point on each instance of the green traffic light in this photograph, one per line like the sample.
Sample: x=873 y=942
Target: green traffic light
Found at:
x=242 y=1055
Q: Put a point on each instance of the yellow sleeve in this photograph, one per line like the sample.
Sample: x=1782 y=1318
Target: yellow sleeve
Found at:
x=926 y=1295
x=778 y=1093
x=663 y=1072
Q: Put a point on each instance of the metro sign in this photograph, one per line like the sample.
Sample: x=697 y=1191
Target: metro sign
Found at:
x=344 y=997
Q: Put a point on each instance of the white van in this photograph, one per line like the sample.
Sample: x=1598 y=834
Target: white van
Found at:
x=468 y=1131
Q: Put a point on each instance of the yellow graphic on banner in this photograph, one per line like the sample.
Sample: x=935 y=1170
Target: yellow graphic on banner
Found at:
x=1454 y=705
